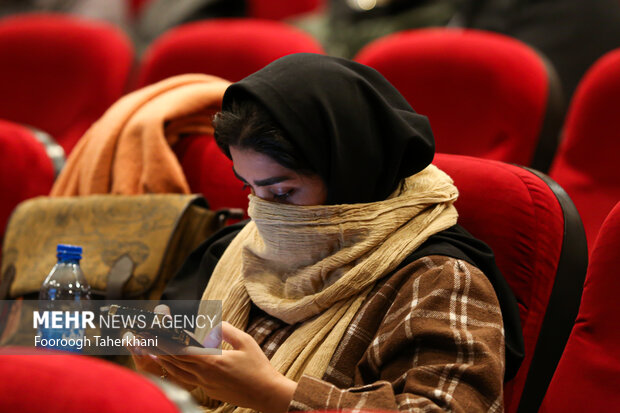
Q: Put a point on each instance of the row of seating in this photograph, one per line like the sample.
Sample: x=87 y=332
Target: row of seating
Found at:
x=540 y=246
x=259 y=9
x=62 y=72
x=486 y=95
x=541 y=249
x=494 y=97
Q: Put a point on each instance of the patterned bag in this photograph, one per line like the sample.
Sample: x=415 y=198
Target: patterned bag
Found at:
x=133 y=245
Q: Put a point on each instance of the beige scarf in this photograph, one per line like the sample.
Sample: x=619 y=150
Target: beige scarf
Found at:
x=315 y=265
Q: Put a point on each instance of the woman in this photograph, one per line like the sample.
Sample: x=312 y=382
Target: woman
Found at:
x=352 y=286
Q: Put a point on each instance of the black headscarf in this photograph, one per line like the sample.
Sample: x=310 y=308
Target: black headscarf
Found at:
x=356 y=130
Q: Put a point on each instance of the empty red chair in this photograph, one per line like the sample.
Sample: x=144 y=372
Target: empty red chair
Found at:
x=209 y=172
x=486 y=95
x=60 y=73
x=281 y=9
x=26 y=170
x=227 y=48
x=34 y=380
x=587 y=161
x=540 y=248
x=588 y=376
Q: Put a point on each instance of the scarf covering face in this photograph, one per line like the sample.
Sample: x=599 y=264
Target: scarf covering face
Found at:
x=313 y=266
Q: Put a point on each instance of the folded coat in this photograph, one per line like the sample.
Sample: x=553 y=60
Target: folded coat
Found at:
x=128 y=150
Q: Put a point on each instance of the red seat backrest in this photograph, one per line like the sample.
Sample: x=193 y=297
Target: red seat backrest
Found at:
x=60 y=73
x=34 y=380
x=229 y=48
x=531 y=226
x=587 y=161
x=209 y=172
x=26 y=170
x=485 y=94
x=588 y=376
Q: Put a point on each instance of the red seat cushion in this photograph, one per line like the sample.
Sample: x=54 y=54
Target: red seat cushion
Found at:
x=64 y=383
x=25 y=169
x=229 y=48
x=588 y=376
x=60 y=73
x=485 y=94
x=519 y=217
x=587 y=161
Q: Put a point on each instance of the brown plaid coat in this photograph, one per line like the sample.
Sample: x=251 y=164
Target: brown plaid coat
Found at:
x=428 y=338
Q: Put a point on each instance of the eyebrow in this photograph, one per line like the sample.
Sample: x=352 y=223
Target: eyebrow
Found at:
x=264 y=182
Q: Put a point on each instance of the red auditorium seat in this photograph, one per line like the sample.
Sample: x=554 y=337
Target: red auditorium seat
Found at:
x=540 y=248
x=67 y=383
x=228 y=48
x=281 y=9
x=486 y=95
x=588 y=376
x=209 y=172
x=587 y=161
x=60 y=73
x=26 y=170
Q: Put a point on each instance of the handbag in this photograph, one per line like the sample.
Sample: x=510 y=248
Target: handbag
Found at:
x=132 y=244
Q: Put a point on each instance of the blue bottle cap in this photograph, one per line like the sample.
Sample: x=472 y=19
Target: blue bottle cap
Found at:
x=65 y=251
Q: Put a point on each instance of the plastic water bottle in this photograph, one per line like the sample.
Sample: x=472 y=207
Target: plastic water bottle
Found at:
x=64 y=289
x=66 y=281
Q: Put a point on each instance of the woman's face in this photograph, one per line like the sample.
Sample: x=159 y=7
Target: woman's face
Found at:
x=273 y=182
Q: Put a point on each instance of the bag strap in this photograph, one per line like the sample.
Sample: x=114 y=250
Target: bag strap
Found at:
x=6 y=281
x=224 y=214
x=118 y=276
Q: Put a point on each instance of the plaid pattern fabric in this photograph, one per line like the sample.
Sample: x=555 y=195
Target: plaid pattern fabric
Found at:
x=428 y=338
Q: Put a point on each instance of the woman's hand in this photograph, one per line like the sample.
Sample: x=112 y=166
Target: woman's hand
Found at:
x=242 y=376
x=145 y=362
